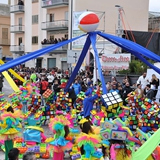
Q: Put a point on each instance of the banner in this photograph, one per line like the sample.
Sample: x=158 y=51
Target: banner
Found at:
x=115 y=62
x=79 y=43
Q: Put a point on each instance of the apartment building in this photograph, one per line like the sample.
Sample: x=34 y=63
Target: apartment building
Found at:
x=38 y=23
x=5 y=31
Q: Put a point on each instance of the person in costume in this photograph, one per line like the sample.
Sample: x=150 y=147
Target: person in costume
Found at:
x=10 y=127
x=34 y=133
x=88 y=103
x=118 y=150
x=89 y=142
x=59 y=144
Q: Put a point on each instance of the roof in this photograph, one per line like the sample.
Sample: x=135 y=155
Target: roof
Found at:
x=4 y=10
x=154 y=14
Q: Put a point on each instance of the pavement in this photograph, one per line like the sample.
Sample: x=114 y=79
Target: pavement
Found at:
x=8 y=90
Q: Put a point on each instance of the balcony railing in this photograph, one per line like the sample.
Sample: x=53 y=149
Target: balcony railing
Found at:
x=54 y=3
x=55 y=25
x=60 y=49
x=33 y=1
x=5 y=42
x=17 y=29
x=17 y=9
x=17 y=49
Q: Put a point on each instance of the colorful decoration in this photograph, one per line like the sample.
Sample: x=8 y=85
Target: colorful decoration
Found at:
x=88 y=22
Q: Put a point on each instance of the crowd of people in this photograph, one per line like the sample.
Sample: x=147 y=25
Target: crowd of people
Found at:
x=54 y=40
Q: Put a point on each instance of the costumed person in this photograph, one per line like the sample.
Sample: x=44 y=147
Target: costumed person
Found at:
x=59 y=144
x=88 y=102
x=34 y=133
x=10 y=127
x=89 y=142
x=119 y=151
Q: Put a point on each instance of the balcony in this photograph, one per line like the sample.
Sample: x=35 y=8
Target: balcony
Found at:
x=17 y=9
x=4 y=42
x=17 y=29
x=17 y=49
x=54 y=3
x=55 y=25
x=58 y=50
x=34 y=1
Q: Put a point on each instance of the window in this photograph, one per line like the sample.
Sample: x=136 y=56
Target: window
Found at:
x=4 y=33
x=35 y=40
x=66 y=15
x=19 y=40
x=51 y=17
x=34 y=19
x=20 y=21
x=51 y=37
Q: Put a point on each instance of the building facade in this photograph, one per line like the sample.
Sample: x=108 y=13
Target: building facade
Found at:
x=40 y=23
x=154 y=22
x=5 y=31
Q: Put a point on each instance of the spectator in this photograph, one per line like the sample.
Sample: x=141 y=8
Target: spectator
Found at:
x=43 y=86
x=13 y=154
x=73 y=96
x=77 y=87
x=108 y=86
x=120 y=90
x=150 y=92
x=154 y=84
x=128 y=79
x=139 y=91
x=143 y=80
x=123 y=83
x=126 y=90
x=50 y=79
x=114 y=89
x=83 y=86
x=20 y=2
x=1 y=82
x=56 y=87
x=29 y=156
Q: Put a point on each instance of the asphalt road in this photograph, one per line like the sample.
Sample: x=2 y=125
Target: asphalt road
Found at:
x=8 y=90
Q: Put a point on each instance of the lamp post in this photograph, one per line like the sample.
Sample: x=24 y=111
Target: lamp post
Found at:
x=119 y=30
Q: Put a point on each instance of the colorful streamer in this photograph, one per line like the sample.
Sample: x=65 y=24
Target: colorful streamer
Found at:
x=14 y=73
x=10 y=81
x=133 y=50
x=35 y=54
x=148 y=147
x=79 y=63
x=93 y=41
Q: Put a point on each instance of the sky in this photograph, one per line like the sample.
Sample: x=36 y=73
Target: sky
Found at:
x=154 y=5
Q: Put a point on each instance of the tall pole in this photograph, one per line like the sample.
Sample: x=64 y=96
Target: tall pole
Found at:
x=119 y=30
x=71 y=21
x=71 y=27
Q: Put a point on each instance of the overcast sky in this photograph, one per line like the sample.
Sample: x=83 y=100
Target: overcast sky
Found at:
x=154 y=5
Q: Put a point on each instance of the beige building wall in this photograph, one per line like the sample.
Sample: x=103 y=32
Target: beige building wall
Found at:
x=59 y=13
x=5 y=35
x=35 y=28
x=136 y=12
